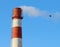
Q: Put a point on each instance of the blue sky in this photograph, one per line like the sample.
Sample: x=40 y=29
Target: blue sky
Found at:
x=37 y=32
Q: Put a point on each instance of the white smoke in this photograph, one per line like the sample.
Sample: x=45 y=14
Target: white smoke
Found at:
x=33 y=11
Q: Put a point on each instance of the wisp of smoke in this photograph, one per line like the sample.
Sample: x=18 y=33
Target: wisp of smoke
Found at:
x=32 y=11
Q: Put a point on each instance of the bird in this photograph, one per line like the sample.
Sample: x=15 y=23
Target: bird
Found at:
x=50 y=15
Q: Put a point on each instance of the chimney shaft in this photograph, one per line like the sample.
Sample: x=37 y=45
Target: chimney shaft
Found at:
x=17 y=28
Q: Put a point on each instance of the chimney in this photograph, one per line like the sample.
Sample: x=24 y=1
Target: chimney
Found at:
x=17 y=27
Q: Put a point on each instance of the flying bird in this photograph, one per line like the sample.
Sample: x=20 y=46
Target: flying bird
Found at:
x=50 y=15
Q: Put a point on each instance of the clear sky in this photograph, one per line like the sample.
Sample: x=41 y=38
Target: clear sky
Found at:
x=37 y=32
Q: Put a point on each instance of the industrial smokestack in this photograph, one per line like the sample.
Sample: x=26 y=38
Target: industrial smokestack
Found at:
x=17 y=28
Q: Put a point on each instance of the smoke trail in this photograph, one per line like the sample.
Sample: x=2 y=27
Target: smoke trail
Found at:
x=32 y=11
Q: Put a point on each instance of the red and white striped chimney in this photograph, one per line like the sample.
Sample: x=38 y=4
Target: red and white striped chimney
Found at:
x=17 y=28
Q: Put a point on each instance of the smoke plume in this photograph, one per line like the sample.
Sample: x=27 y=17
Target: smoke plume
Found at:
x=33 y=11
